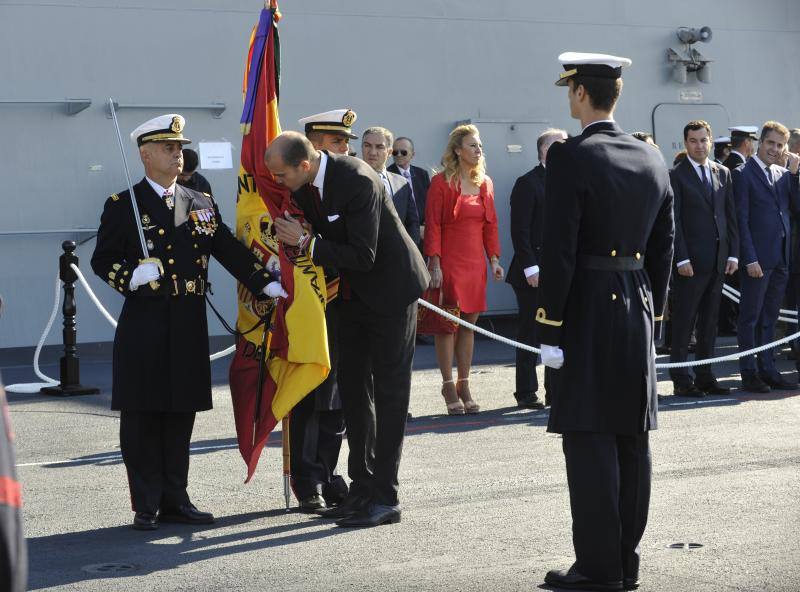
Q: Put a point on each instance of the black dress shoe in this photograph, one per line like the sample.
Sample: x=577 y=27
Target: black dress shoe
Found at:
x=713 y=388
x=778 y=383
x=630 y=583
x=187 y=514
x=145 y=521
x=529 y=402
x=753 y=384
x=687 y=390
x=312 y=504
x=351 y=505
x=372 y=515
x=572 y=579
x=335 y=492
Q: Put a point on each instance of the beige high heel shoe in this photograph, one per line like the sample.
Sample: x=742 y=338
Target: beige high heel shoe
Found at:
x=450 y=394
x=470 y=406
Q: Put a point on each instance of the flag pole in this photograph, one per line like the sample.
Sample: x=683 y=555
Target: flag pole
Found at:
x=287 y=460
x=262 y=369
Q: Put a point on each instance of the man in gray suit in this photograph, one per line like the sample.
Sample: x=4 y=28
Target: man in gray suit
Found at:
x=376 y=145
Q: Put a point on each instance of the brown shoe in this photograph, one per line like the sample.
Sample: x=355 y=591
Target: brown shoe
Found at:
x=470 y=406
x=454 y=404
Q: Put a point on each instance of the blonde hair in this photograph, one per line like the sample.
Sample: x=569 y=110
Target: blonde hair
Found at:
x=450 y=162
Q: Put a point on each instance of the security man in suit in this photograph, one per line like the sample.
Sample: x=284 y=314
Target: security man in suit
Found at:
x=402 y=154
x=766 y=196
x=606 y=260
x=317 y=421
x=706 y=250
x=527 y=224
x=382 y=275
x=161 y=370
x=375 y=148
x=742 y=140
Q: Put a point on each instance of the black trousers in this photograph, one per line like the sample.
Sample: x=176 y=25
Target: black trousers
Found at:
x=527 y=383
x=315 y=438
x=695 y=305
x=609 y=493
x=155 y=449
x=376 y=350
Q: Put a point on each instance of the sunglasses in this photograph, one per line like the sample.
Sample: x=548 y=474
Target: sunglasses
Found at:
x=400 y=152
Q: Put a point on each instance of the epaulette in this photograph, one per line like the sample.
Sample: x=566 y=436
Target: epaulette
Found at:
x=114 y=197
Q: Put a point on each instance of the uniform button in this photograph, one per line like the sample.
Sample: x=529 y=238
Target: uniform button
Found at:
x=174 y=276
x=171 y=261
x=638 y=256
x=613 y=252
x=120 y=289
x=195 y=246
x=194 y=233
x=197 y=261
x=613 y=297
x=161 y=231
x=169 y=247
x=126 y=272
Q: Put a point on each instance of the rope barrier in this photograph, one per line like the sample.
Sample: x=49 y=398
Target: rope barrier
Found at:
x=728 y=291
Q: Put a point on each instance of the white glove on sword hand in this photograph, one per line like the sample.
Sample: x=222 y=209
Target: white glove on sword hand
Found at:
x=143 y=274
x=552 y=356
x=275 y=290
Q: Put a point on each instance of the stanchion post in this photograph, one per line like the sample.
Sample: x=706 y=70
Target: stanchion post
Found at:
x=70 y=368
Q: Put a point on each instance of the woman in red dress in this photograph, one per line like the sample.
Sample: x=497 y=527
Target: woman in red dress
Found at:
x=460 y=230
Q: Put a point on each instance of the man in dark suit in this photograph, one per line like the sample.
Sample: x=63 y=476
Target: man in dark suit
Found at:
x=706 y=250
x=317 y=422
x=375 y=147
x=161 y=371
x=606 y=261
x=527 y=220
x=357 y=231
x=403 y=153
x=766 y=194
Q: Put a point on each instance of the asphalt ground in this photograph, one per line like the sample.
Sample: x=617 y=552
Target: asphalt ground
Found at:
x=485 y=501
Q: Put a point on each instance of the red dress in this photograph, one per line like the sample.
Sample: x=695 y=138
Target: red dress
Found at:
x=462 y=231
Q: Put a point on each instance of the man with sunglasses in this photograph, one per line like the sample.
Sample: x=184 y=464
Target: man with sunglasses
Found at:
x=417 y=177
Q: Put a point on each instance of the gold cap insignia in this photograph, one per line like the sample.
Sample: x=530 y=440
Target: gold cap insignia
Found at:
x=349 y=118
x=177 y=124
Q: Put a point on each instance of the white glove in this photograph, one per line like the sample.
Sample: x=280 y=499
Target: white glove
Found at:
x=552 y=356
x=275 y=290
x=143 y=274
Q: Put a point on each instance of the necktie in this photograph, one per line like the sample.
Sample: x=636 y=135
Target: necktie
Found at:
x=706 y=181
x=170 y=203
x=769 y=174
x=386 y=184
x=407 y=175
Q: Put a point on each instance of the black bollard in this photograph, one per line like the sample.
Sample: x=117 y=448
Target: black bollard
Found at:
x=70 y=369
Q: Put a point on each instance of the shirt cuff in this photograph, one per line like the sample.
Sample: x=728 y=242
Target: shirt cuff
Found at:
x=532 y=270
x=684 y=262
x=311 y=247
x=734 y=259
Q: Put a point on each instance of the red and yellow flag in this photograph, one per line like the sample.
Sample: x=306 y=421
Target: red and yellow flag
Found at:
x=297 y=350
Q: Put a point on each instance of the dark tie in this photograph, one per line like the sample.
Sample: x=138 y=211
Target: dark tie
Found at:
x=769 y=174
x=706 y=181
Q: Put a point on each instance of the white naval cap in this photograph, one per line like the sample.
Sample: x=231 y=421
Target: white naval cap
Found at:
x=600 y=65
x=744 y=131
x=338 y=121
x=722 y=140
x=164 y=128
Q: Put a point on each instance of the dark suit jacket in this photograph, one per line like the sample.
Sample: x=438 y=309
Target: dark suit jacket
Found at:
x=527 y=219
x=420 y=180
x=360 y=234
x=607 y=196
x=403 y=201
x=706 y=231
x=763 y=211
x=733 y=161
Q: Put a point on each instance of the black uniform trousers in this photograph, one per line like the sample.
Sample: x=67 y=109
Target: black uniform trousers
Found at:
x=155 y=450
x=695 y=298
x=375 y=349
x=527 y=383
x=609 y=493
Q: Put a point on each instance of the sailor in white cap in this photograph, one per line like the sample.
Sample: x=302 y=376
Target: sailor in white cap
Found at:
x=161 y=373
x=743 y=139
x=722 y=148
x=331 y=130
x=315 y=435
x=605 y=265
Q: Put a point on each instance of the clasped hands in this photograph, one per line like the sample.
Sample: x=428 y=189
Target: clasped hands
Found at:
x=291 y=231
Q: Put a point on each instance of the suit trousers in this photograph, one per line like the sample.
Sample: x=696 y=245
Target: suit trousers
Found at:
x=609 y=492
x=696 y=302
x=376 y=349
x=758 y=312
x=527 y=383
x=315 y=437
x=155 y=450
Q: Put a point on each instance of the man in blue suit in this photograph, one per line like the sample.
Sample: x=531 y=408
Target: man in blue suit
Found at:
x=765 y=194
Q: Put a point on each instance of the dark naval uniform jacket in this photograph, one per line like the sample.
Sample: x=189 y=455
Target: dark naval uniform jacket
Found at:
x=161 y=343
x=607 y=251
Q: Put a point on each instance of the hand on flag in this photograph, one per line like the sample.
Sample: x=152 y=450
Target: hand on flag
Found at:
x=275 y=290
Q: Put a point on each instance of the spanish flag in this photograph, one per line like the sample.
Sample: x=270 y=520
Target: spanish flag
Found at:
x=297 y=343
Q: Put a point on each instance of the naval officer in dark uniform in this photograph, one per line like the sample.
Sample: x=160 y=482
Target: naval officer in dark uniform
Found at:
x=606 y=259
x=161 y=371
x=382 y=275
